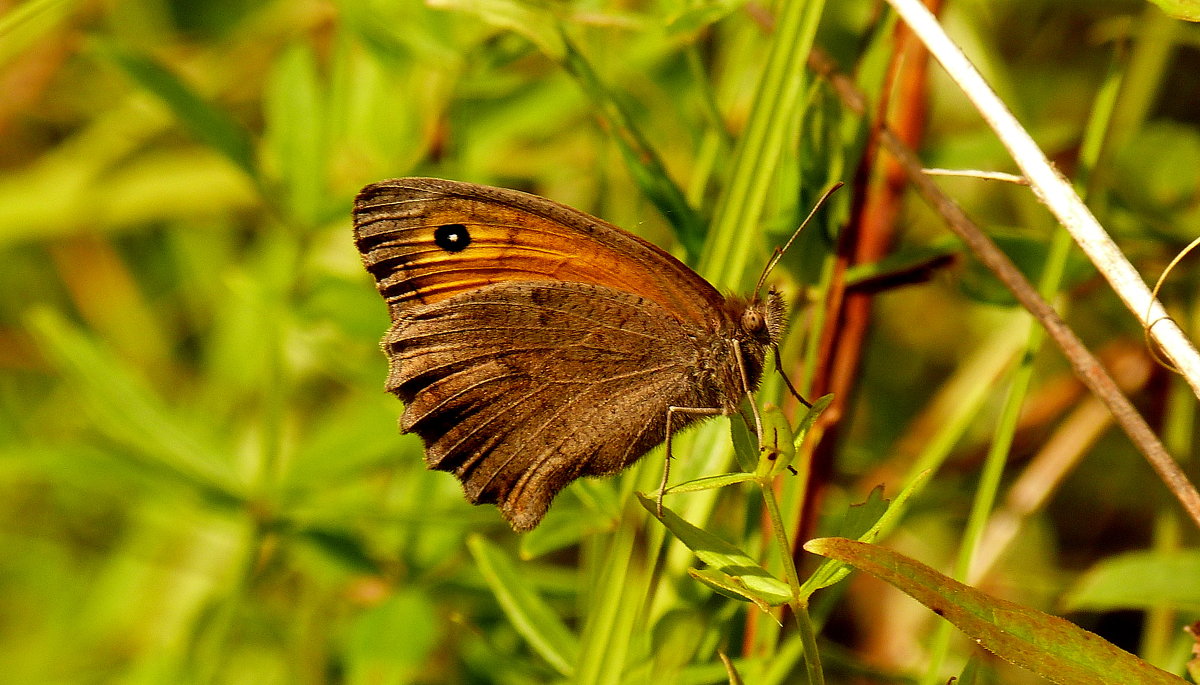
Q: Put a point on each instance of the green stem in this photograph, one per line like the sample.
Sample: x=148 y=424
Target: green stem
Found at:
x=799 y=605
x=808 y=636
x=781 y=540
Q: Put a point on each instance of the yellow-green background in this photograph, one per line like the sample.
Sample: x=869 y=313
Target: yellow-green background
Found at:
x=201 y=480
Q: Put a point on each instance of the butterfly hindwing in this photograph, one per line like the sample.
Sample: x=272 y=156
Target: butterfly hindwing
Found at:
x=519 y=388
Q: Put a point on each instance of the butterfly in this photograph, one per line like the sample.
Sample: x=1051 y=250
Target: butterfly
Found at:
x=534 y=344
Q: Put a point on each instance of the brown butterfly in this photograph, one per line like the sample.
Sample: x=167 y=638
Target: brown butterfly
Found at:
x=533 y=344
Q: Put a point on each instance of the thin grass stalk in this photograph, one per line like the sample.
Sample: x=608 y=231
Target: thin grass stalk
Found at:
x=642 y=160
x=1056 y=193
x=603 y=648
x=1086 y=366
x=983 y=503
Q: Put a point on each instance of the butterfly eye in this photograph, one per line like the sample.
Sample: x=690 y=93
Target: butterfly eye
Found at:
x=452 y=237
x=752 y=321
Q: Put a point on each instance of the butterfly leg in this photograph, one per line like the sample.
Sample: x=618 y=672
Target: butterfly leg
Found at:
x=758 y=430
x=671 y=412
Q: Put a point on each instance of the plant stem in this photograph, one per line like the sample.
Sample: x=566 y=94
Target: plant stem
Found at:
x=798 y=604
x=1087 y=367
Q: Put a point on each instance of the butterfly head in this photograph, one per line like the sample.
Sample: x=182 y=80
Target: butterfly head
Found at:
x=763 y=318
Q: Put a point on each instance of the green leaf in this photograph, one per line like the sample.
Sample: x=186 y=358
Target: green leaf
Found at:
x=710 y=482
x=696 y=18
x=745 y=447
x=643 y=161
x=391 y=641
x=534 y=22
x=563 y=527
x=1188 y=10
x=1052 y=647
x=810 y=418
x=861 y=517
x=905 y=264
x=743 y=570
x=976 y=672
x=535 y=620
x=729 y=586
x=126 y=410
x=343 y=548
x=1155 y=177
x=1139 y=580
x=211 y=125
x=22 y=25
x=831 y=571
x=296 y=133
x=773 y=115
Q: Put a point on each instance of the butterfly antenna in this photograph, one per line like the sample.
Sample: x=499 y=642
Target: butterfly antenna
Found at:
x=778 y=254
x=787 y=381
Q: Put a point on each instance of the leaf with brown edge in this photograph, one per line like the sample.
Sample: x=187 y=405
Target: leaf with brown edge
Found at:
x=1052 y=647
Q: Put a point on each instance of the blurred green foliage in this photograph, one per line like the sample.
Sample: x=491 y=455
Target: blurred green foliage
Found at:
x=200 y=476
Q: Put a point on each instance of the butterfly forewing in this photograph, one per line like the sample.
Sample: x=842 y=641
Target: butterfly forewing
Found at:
x=425 y=240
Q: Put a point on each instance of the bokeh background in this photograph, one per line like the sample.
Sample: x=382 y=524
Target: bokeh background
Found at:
x=201 y=479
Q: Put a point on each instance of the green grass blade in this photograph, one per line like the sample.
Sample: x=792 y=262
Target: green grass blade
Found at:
x=543 y=28
x=296 y=133
x=123 y=408
x=529 y=614
x=25 y=24
x=644 y=163
x=211 y=125
x=618 y=586
x=757 y=155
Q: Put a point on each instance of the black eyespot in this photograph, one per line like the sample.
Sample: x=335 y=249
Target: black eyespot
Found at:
x=452 y=237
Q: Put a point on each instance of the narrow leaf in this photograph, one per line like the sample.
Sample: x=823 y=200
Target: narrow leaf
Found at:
x=728 y=586
x=126 y=410
x=296 y=136
x=535 y=22
x=810 y=418
x=1052 y=647
x=720 y=554
x=1139 y=580
x=745 y=445
x=710 y=482
x=529 y=614
x=212 y=126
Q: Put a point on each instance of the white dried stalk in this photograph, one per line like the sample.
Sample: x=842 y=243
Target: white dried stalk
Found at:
x=1056 y=192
